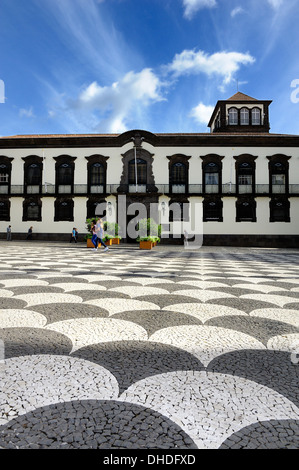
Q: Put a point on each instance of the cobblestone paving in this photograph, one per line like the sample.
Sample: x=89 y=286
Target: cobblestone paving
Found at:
x=167 y=349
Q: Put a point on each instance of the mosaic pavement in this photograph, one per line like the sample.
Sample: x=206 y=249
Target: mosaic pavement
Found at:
x=168 y=349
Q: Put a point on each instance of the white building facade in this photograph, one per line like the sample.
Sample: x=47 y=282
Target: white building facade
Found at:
x=238 y=184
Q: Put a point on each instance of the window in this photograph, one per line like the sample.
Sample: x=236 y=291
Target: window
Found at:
x=178 y=173
x=245 y=174
x=246 y=210
x=256 y=116
x=212 y=210
x=97 y=174
x=211 y=172
x=5 y=210
x=244 y=117
x=245 y=180
x=141 y=171
x=232 y=116
x=178 y=168
x=278 y=176
x=65 y=167
x=279 y=210
x=34 y=174
x=96 y=208
x=178 y=178
x=4 y=177
x=32 y=209
x=5 y=170
x=64 y=174
x=64 y=210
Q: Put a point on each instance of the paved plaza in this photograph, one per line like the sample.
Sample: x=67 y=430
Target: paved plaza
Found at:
x=162 y=349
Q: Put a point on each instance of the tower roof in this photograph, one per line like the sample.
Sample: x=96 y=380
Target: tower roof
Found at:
x=241 y=97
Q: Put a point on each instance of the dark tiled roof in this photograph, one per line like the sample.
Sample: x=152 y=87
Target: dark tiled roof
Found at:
x=241 y=97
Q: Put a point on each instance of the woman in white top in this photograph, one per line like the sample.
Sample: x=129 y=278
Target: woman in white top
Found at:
x=100 y=233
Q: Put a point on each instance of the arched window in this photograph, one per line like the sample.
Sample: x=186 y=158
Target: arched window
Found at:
x=64 y=174
x=279 y=174
x=34 y=174
x=5 y=174
x=178 y=168
x=4 y=178
x=233 y=116
x=245 y=174
x=65 y=168
x=244 y=117
x=211 y=173
x=178 y=173
x=141 y=171
x=97 y=174
x=256 y=116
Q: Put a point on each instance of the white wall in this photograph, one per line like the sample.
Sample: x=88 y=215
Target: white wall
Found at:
x=160 y=169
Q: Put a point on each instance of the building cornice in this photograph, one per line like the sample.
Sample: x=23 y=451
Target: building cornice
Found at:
x=156 y=140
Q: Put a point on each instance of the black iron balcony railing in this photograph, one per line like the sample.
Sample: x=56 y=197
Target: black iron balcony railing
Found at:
x=49 y=189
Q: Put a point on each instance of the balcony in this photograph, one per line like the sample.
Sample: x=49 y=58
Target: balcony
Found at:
x=49 y=189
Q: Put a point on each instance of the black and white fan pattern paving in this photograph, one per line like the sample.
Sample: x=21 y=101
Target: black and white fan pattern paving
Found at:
x=164 y=349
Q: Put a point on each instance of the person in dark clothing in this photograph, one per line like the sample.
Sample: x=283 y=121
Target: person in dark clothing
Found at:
x=29 y=235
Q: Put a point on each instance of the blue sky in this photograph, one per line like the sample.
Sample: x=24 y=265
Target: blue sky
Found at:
x=107 y=66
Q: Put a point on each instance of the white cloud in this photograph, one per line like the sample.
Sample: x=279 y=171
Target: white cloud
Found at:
x=275 y=3
x=115 y=105
x=202 y=113
x=236 y=11
x=193 y=6
x=26 y=112
x=224 y=64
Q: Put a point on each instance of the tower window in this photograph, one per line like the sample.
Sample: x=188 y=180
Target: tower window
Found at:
x=256 y=117
x=244 y=115
x=233 y=117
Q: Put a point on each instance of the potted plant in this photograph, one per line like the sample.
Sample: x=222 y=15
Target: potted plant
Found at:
x=145 y=243
x=150 y=227
x=112 y=231
x=108 y=239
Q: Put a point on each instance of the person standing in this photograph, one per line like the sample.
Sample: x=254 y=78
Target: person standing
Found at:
x=100 y=233
x=8 y=233
x=186 y=238
x=73 y=236
x=94 y=238
x=29 y=235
